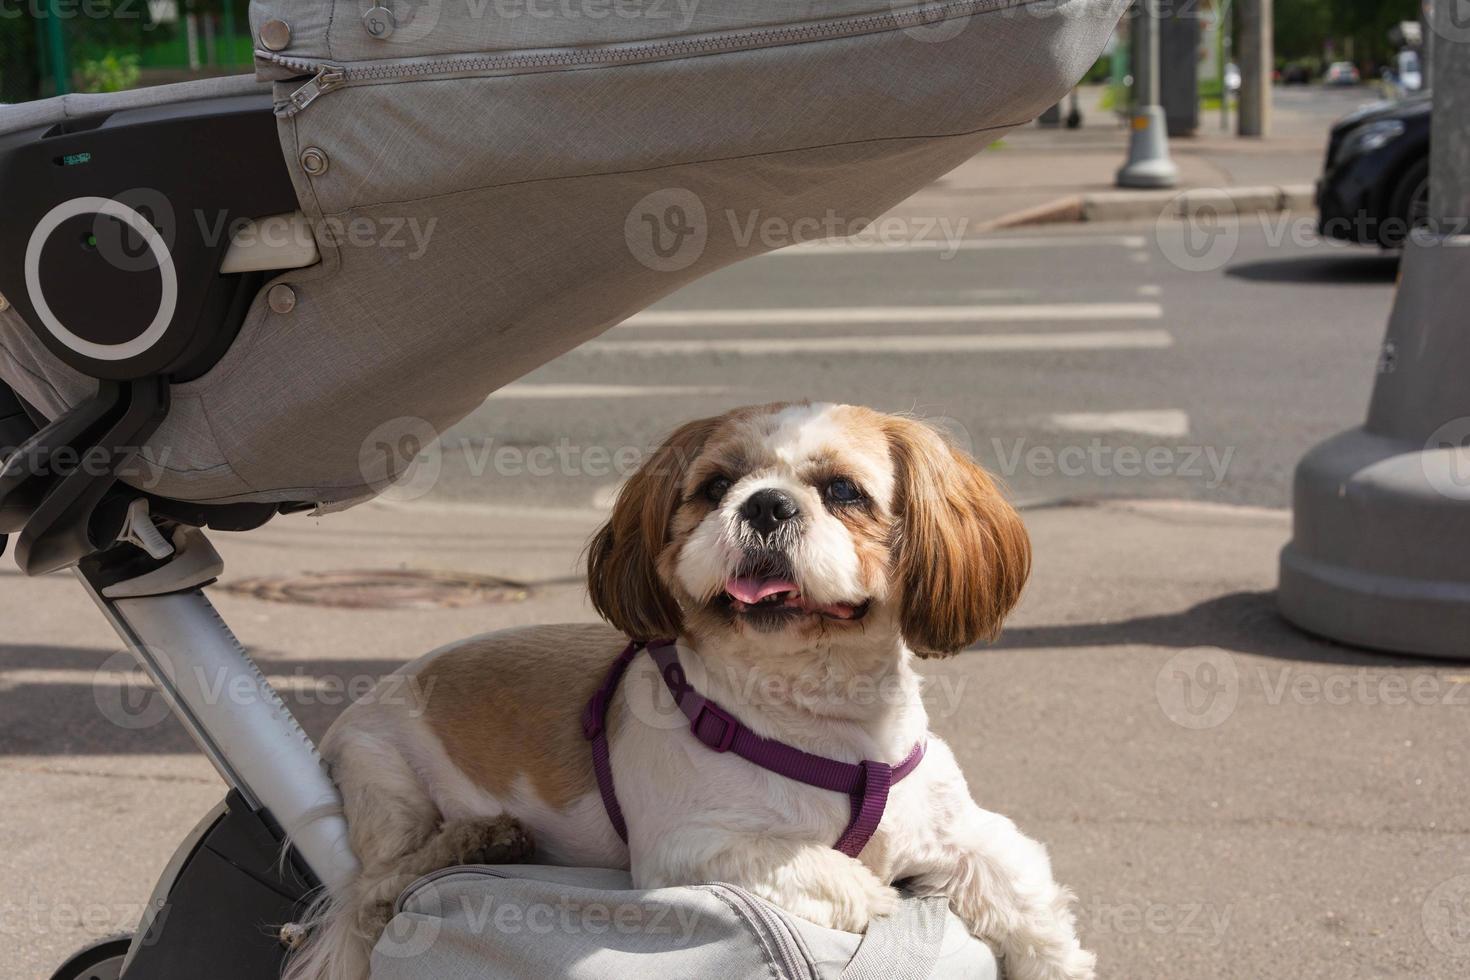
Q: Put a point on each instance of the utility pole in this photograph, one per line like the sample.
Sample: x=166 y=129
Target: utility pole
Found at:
x=1380 y=551
x=1257 y=63
x=1148 y=144
x=1223 y=54
x=1449 y=183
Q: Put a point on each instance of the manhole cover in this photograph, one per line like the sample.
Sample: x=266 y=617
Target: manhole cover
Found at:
x=381 y=589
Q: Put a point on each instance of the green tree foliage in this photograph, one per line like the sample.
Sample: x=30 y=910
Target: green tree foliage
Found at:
x=1304 y=26
x=104 y=35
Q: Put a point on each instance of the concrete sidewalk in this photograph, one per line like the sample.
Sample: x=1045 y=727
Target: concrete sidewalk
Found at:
x=1039 y=175
x=1228 y=797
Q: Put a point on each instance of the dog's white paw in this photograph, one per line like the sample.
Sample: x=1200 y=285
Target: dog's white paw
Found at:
x=847 y=909
x=1070 y=963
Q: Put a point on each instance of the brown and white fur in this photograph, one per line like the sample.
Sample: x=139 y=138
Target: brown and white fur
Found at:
x=926 y=560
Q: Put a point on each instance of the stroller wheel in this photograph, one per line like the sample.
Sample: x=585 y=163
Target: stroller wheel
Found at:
x=102 y=960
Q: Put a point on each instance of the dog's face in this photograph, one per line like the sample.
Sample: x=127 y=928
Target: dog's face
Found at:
x=804 y=522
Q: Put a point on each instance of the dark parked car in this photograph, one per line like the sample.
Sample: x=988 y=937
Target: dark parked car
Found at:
x=1375 y=187
x=1296 y=74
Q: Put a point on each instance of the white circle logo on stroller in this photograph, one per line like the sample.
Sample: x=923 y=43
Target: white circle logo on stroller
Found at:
x=168 y=278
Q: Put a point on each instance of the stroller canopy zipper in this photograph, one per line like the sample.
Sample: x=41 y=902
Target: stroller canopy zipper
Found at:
x=326 y=76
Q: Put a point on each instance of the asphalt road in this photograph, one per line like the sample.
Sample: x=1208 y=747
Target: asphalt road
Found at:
x=1168 y=360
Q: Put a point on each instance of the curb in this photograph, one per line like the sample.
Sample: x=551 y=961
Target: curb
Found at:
x=1156 y=205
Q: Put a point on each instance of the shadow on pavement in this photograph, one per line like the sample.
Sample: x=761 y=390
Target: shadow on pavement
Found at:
x=59 y=700
x=62 y=700
x=1349 y=268
x=1243 y=622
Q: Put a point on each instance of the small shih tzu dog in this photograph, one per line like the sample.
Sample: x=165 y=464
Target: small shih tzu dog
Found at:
x=784 y=565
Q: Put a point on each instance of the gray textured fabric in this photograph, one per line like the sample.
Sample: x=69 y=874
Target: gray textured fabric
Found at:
x=336 y=31
x=529 y=923
x=479 y=222
x=905 y=946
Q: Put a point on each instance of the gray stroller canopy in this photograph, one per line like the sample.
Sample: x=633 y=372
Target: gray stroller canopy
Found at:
x=490 y=184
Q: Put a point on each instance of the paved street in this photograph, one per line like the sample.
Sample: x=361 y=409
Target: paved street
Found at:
x=1075 y=361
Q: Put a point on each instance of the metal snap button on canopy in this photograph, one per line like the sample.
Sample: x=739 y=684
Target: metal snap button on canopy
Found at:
x=379 y=22
x=314 y=161
x=275 y=35
x=282 y=298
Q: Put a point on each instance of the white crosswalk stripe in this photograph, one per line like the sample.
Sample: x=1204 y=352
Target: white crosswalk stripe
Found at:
x=869 y=246
x=525 y=390
x=1162 y=423
x=1096 y=340
x=857 y=315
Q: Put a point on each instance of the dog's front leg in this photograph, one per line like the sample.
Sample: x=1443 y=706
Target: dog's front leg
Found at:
x=999 y=882
x=816 y=883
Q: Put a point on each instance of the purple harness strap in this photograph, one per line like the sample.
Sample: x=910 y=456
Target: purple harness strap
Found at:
x=866 y=783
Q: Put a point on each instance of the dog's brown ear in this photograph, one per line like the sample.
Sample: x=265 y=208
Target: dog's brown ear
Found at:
x=622 y=559
x=963 y=554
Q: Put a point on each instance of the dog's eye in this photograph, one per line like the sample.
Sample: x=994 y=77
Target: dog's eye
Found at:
x=843 y=491
x=716 y=489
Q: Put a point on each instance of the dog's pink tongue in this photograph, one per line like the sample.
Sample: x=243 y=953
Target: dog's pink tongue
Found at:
x=749 y=589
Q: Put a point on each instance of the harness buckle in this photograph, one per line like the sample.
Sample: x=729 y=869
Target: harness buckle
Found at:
x=727 y=733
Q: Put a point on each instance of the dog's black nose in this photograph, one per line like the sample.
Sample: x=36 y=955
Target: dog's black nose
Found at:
x=765 y=510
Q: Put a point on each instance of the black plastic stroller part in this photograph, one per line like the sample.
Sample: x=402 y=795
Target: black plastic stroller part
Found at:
x=52 y=483
x=116 y=226
x=15 y=422
x=30 y=468
x=219 y=908
x=88 y=445
x=102 y=960
x=15 y=428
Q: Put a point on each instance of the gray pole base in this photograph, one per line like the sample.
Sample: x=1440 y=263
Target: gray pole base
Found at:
x=1380 y=551
x=1148 y=152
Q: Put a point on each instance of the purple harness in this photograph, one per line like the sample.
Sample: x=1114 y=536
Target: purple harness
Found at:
x=866 y=783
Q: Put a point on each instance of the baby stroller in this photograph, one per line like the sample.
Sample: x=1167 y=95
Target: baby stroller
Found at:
x=211 y=312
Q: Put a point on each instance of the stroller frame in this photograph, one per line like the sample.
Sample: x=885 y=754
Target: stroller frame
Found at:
x=230 y=888
x=236 y=882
